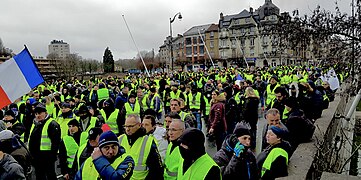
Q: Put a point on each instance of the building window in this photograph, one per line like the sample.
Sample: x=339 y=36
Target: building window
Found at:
x=252 y=29
x=188 y=41
x=274 y=62
x=251 y=41
x=212 y=34
x=243 y=41
x=195 y=40
x=233 y=42
x=189 y=51
x=195 y=50
x=248 y=20
x=201 y=49
x=211 y=44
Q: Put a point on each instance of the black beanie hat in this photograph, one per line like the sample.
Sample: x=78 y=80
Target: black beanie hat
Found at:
x=73 y=122
x=279 y=132
x=241 y=129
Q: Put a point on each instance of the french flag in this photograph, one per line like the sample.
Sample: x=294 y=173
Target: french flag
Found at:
x=18 y=76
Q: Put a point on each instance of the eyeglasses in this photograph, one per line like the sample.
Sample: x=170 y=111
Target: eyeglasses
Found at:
x=130 y=126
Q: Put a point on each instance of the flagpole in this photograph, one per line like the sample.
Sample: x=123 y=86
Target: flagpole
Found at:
x=210 y=57
x=135 y=44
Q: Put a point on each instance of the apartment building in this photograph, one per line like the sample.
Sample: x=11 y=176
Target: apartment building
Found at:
x=60 y=48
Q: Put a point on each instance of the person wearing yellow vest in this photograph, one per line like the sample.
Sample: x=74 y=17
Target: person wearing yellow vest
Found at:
x=173 y=156
x=143 y=149
x=131 y=107
x=44 y=143
x=154 y=102
x=111 y=116
x=195 y=162
x=188 y=118
x=270 y=95
x=65 y=116
x=84 y=151
x=273 y=161
x=86 y=122
x=278 y=103
x=158 y=132
x=68 y=148
x=196 y=105
x=108 y=161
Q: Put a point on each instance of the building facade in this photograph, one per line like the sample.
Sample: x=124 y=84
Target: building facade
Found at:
x=60 y=48
x=212 y=43
x=194 y=45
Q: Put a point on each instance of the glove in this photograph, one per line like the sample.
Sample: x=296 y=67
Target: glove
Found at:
x=238 y=149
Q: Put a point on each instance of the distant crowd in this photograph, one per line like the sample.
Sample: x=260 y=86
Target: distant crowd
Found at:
x=140 y=127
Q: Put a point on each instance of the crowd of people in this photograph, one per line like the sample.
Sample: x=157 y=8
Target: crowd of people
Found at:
x=139 y=127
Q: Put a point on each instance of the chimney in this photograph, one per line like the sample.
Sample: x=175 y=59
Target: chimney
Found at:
x=251 y=10
x=221 y=16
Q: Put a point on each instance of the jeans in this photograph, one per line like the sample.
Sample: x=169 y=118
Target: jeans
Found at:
x=197 y=115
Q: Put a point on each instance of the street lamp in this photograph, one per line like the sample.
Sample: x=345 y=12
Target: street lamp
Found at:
x=171 y=20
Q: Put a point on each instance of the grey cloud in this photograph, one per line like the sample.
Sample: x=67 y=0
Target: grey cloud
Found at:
x=89 y=26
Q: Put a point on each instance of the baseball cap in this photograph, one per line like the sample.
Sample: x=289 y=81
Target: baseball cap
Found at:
x=94 y=133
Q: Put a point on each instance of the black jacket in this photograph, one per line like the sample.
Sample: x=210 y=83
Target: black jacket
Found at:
x=54 y=134
x=233 y=167
x=17 y=128
x=250 y=110
x=279 y=166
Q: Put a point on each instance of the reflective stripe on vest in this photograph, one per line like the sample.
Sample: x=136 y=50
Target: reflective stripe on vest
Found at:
x=198 y=170
x=71 y=147
x=139 y=152
x=89 y=171
x=195 y=102
x=111 y=120
x=272 y=156
x=103 y=94
x=130 y=111
x=171 y=162
x=45 y=142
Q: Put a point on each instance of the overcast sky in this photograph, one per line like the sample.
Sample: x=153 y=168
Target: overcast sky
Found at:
x=89 y=26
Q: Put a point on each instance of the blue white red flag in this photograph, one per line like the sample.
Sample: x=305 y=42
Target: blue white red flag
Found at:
x=18 y=76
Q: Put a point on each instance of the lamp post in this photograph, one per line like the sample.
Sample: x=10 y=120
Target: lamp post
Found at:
x=171 y=20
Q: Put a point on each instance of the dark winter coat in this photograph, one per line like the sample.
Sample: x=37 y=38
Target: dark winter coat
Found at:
x=10 y=169
x=233 y=167
x=54 y=134
x=217 y=118
x=279 y=166
x=250 y=110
